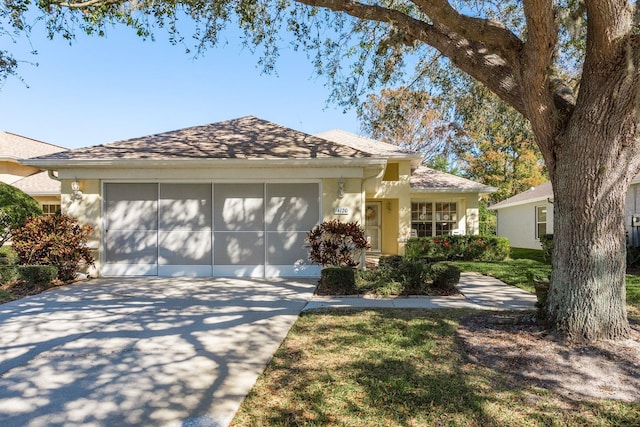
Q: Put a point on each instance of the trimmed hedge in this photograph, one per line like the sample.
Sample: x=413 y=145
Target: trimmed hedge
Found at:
x=37 y=274
x=444 y=275
x=458 y=248
x=7 y=273
x=337 y=281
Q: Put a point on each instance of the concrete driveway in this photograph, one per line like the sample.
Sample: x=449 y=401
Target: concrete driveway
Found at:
x=147 y=351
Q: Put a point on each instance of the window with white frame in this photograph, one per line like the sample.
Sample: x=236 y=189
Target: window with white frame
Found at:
x=50 y=208
x=541 y=221
x=433 y=219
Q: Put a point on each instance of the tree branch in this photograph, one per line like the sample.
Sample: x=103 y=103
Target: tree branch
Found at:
x=536 y=67
x=473 y=57
x=607 y=21
x=491 y=33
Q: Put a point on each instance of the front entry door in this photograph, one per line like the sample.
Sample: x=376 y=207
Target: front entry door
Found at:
x=373 y=225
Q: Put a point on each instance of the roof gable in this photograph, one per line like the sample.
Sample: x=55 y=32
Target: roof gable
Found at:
x=18 y=147
x=427 y=179
x=541 y=192
x=243 y=138
x=368 y=145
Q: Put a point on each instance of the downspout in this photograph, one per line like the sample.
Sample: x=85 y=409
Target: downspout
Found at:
x=52 y=176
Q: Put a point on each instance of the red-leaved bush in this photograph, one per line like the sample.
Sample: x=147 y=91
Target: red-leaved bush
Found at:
x=57 y=240
x=336 y=243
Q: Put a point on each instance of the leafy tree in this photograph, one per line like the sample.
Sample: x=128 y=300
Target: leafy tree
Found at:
x=15 y=207
x=496 y=145
x=570 y=67
x=404 y=118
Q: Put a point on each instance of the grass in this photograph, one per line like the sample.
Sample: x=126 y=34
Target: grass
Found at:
x=401 y=368
x=524 y=253
x=515 y=272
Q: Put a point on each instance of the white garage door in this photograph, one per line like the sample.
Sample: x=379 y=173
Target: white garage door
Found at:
x=221 y=229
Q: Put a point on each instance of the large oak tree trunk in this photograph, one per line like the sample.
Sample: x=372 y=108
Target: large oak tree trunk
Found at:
x=592 y=173
x=587 y=297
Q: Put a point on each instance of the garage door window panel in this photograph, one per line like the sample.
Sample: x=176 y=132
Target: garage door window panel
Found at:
x=238 y=248
x=131 y=222
x=185 y=224
x=239 y=207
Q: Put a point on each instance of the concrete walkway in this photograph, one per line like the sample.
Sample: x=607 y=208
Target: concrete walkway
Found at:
x=478 y=292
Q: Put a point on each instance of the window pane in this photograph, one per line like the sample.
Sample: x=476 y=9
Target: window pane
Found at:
x=542 y=213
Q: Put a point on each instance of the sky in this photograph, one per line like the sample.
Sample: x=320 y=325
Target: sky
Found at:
x=100 y=90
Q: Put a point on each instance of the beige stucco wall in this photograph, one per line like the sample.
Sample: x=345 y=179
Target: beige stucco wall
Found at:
x=518 y=224
x=47 y=200
x=87 y=208
x=360 y=186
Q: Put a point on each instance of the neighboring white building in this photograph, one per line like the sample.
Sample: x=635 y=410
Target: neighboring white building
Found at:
x=525 y=216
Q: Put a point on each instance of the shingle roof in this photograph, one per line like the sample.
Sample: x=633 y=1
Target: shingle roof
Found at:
x=244 y=138
x=541 y=192
x=38 y=184
x=425 y=178
x=19 y=147
x=365 y=144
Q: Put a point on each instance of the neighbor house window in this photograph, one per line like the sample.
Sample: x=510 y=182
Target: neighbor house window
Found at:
x=433 y=219
x=541 y=221
x=50 y=209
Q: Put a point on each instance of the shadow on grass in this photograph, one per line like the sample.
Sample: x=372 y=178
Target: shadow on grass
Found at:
x=399 y=368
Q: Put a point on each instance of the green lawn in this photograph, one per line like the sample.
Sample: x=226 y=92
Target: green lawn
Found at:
x=401 y=368
x=523 y=253
x=515 y=272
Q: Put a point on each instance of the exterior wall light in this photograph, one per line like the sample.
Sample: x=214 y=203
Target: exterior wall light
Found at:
x=341 y=188
x=75 y=189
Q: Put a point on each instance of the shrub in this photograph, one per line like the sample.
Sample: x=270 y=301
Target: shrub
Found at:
x=15 y=207
x=335 y=243
x=398 y=275
x=633 y=257
x=466 y=248
x=7 y=273
x=37 y=274
x=390 y=262
x=57 y=240
x=546 y=241
x=444 y=275
x=337 y=281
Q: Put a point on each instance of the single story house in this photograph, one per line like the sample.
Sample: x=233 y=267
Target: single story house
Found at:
x=236 y=198
x=32 y=180
x=526 y=216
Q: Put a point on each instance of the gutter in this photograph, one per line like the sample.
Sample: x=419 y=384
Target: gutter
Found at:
x=204 y=163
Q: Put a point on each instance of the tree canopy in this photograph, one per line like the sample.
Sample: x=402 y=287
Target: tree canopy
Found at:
x=570 y=67
x=15 y=207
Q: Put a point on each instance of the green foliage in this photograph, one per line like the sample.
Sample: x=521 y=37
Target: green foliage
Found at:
x=496 y=145
x=444 y=275
x=633 y=256
x=15 y=207
x=37 y=274
x=526 y=253
x=57 y=240
x=488 y=220
x=451 y=248
x=546 y=241
x=7 y=273
x=337 y=281
x=335 y=243
x=390 y=262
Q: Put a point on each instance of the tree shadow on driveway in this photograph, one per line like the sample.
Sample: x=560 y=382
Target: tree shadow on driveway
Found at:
x=143 y=351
